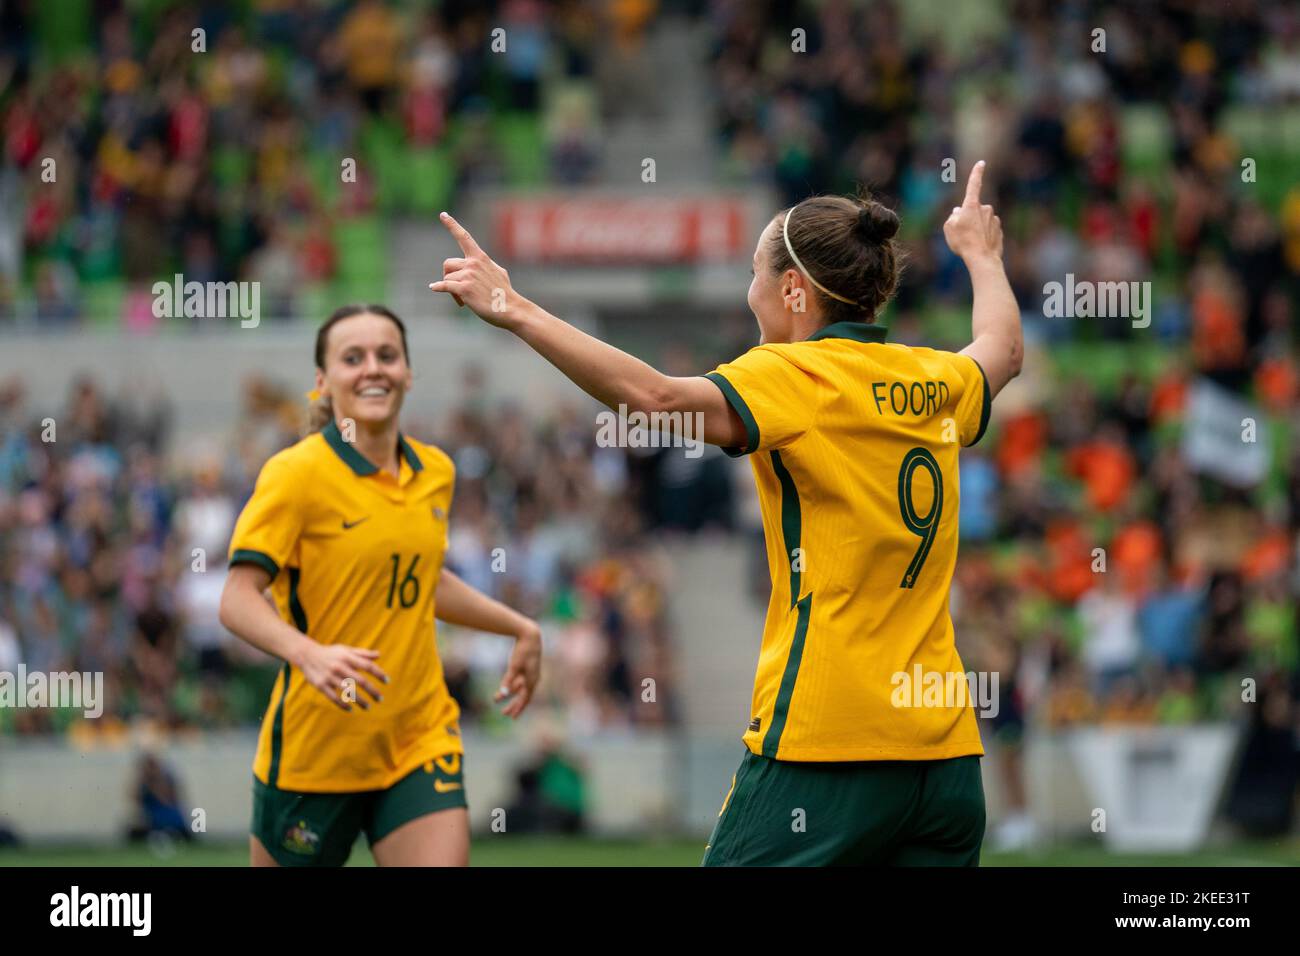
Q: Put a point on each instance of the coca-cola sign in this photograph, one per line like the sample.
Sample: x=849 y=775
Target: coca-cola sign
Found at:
x=621 y=230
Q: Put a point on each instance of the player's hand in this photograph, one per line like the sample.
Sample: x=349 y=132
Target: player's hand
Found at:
x=973 y=231
x=474 y=280
x=329 y=668
x=522 y=672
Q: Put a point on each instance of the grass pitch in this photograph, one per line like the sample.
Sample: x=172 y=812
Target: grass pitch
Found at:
x=500 y=850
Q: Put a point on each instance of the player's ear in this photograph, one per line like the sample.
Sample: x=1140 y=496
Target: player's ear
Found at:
x=792 y=291
x=320 y=382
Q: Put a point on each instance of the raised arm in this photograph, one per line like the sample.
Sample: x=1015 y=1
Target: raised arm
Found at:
x=607 y=374
x=975 y=233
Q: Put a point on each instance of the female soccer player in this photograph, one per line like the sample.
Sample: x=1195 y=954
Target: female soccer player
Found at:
x=854 y=444
x=349 y=528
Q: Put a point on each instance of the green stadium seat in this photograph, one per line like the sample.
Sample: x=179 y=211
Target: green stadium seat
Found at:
x=950 y=324
x=324 y=167
x=64 y=29
x=1245 y=124
x=522 y=142
x=363 y=259
x=383 y=151
x=1103 y=365
x=316 y=300
x=432 y=177
x=1146 y=140
x=231 y=166
x=102 y=302
x=1271 y=137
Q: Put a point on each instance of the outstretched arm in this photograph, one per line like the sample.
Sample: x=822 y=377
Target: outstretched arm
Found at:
x=458 y=603
x=607 y=374
x=975 y=233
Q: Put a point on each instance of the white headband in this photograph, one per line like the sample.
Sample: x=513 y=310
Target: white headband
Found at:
x=785 y=234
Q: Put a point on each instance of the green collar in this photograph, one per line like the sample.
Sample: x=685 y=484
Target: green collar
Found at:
x=358 y=462
x=857 y=331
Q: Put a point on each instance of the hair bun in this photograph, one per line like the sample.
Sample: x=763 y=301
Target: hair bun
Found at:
x=877 y=223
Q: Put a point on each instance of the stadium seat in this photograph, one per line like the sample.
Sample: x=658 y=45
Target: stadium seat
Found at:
x=323 y=167
x=231 y=166
x=363 y=258
x=381 y=147
x=1146 y=140
x=64 y=29
x=432 y=175
x=523 y=146
x=103 y=302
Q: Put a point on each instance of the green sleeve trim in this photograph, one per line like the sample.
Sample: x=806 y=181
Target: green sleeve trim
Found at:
x=735 y=401
x=263 y=561
x=985 y=408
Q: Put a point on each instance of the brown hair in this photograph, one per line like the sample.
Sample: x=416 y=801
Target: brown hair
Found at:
x=847 y=245
x=322 y=410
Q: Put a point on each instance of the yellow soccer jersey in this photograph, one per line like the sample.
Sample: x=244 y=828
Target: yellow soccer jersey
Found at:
x=854 y=446
x=355 y=556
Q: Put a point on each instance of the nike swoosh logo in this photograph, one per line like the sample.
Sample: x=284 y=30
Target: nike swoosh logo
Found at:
x=443 y=787
x=353 y=524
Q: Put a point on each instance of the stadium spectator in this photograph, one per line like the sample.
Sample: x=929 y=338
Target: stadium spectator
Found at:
x=156 y=799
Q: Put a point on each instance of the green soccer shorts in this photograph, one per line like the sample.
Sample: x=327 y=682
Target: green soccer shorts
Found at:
x=319 y=829
x=862 y=813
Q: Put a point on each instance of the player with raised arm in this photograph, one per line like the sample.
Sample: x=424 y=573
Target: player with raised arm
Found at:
x=854 y=446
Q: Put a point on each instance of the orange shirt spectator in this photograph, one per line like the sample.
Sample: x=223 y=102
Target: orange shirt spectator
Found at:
x=1168 y=397
x=1267 y=556
x=1107 y=470
x=1069 y=563
x=1218 y=340
x=1277 y=382
x=1135 y=555
x=1023 y=438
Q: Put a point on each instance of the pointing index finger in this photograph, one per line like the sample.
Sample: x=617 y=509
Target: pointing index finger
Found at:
x=973 y=184
x=460 y=234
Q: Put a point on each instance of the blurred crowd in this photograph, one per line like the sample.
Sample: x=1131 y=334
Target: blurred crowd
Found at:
x=113 y=545
x=211 y=139
x=1162 y=157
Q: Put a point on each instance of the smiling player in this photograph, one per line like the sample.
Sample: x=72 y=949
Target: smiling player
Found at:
x=855 y=448
x=349 y=529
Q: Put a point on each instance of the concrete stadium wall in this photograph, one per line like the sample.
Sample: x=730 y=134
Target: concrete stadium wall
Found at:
x=52 y=792
x=638 y=784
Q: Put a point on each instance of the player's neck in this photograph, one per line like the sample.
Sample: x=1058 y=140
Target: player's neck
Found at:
x=379 y=446
x=804 y=324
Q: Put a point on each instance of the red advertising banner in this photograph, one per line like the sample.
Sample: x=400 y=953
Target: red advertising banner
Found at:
x=621 y=230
